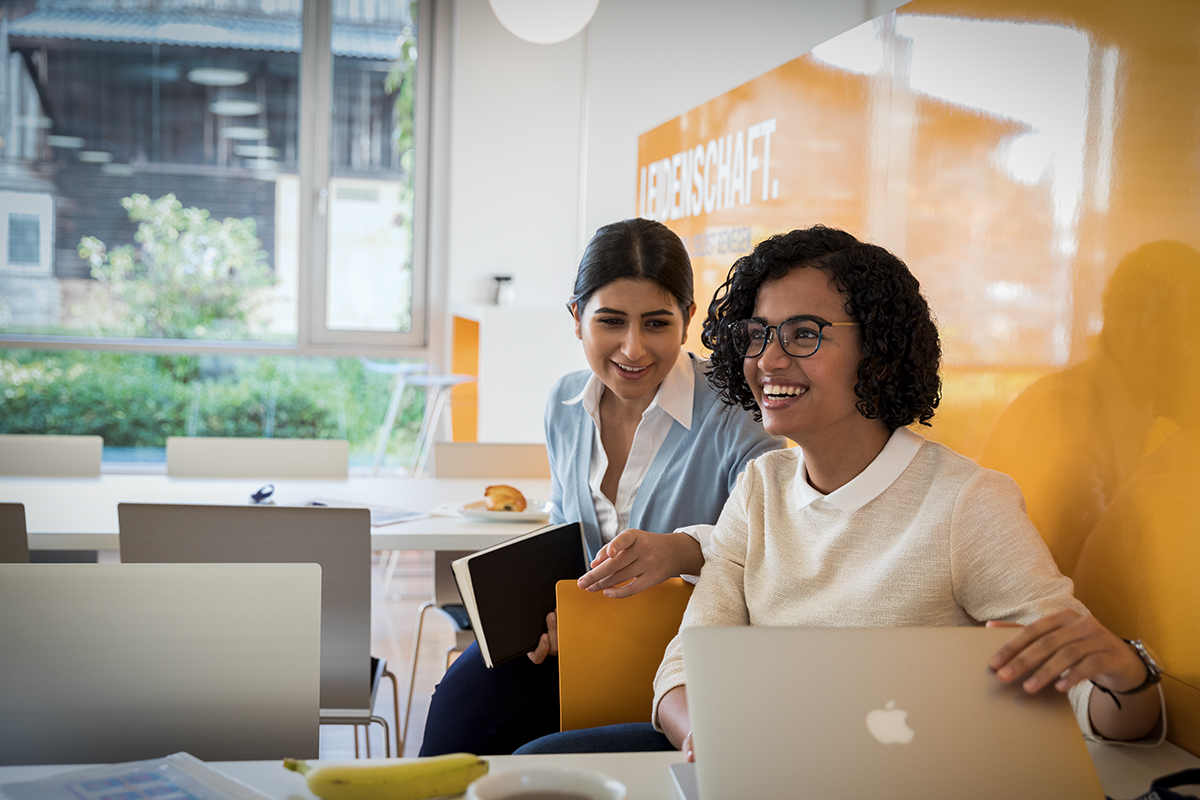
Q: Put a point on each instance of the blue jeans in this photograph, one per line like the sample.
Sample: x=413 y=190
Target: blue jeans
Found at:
x=491 y=711
x=630 y=737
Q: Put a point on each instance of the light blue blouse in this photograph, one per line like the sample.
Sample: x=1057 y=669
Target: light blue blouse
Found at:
x=688 y=481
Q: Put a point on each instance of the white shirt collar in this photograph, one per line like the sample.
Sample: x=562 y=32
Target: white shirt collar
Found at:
x=881 y=473
x=674 y=396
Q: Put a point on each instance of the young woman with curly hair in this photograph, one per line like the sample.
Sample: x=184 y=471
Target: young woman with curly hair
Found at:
x=830 y=342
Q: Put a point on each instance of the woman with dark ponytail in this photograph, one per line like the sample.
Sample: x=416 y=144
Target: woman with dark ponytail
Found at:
x=642 y=452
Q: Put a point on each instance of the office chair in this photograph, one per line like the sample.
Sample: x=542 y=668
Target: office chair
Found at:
x=236 y=457
x=338 y=539
x=609 y=651
x=466 y=460
x=59 y=456
x=400 y=373
x=14 y=541
x=49 y=456
x=447 y=603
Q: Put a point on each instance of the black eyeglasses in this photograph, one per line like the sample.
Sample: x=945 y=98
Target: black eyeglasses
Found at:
x=798 y=336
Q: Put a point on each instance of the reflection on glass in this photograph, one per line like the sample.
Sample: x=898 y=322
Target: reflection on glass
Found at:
x=370 y=217
x=124 y=188
x=1137 y=570
x=1070 y=438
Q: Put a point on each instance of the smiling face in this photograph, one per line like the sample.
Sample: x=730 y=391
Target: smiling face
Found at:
x=632 y=331
x=809 y=400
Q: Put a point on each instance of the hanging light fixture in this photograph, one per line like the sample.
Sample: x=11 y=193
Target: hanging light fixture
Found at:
x=218 y=76
x=544 y=21
x=235 y=108
x=243 y=132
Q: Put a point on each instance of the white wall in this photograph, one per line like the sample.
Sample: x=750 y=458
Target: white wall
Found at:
x=517 y=108
x=514 y=160
x=517 y=126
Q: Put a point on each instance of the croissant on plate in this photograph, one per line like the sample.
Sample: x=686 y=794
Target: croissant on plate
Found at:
x=504 y=498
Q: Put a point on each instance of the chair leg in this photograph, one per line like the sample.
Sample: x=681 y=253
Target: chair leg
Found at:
x=387 y=736
x=392 y=559
x=412 y=674
x=439 y=403
x=427 y=430
x=391 y=564
x=390 y=420
x=387 y=673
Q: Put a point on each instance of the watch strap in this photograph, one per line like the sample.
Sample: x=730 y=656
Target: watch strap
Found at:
x=1153 y=671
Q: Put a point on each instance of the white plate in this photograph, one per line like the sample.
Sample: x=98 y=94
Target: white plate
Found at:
x=535 y=511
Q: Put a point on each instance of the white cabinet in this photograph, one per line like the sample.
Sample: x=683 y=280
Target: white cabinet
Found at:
x=522 y=353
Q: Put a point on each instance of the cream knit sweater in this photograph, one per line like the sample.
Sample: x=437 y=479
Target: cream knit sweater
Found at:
x=945 y=543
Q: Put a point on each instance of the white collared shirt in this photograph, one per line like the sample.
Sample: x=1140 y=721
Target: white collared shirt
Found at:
x=672 y=403
x=893 y=459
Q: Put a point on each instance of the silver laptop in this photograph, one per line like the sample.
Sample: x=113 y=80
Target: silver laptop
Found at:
x=874 y=712
x=339 y=539
x=105 y=663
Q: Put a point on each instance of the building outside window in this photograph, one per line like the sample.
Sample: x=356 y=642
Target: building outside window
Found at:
x=153 y=156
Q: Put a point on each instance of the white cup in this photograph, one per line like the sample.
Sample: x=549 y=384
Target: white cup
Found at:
x=571 y=783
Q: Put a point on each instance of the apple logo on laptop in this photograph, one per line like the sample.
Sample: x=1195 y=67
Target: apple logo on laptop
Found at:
x=888 y=725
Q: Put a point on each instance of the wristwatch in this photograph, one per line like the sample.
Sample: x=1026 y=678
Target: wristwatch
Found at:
x=1153 y=671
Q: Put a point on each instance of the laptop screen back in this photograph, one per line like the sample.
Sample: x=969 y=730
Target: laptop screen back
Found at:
x=121 y=662
x=874 y=712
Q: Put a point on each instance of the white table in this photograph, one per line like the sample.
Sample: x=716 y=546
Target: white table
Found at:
x=1125 y=772
x=81 y=513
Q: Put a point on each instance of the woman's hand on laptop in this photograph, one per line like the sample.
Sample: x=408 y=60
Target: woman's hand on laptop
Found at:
x=548 y=644
x=1067 y=647
x=635 y=560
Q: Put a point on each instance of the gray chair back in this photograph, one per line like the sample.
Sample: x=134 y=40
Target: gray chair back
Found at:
x=266 y=459
x=338 y=539
x=14 y=542
x=55 y=456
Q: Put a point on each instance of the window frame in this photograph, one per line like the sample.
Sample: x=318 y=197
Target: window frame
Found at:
x=313 y=338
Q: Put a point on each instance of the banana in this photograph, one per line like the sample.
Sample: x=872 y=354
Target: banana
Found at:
x=391 y=779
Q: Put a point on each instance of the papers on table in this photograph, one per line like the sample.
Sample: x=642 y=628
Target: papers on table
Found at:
x=181 y=776
x=380 y=515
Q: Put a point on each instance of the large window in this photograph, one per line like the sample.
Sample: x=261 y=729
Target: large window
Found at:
x=218 y=171
x=206 y=216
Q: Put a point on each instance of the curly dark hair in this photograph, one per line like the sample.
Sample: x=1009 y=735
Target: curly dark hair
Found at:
x=898 y=379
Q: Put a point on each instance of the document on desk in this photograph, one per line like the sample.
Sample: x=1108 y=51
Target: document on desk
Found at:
x=380 y=515
x=180 y=776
